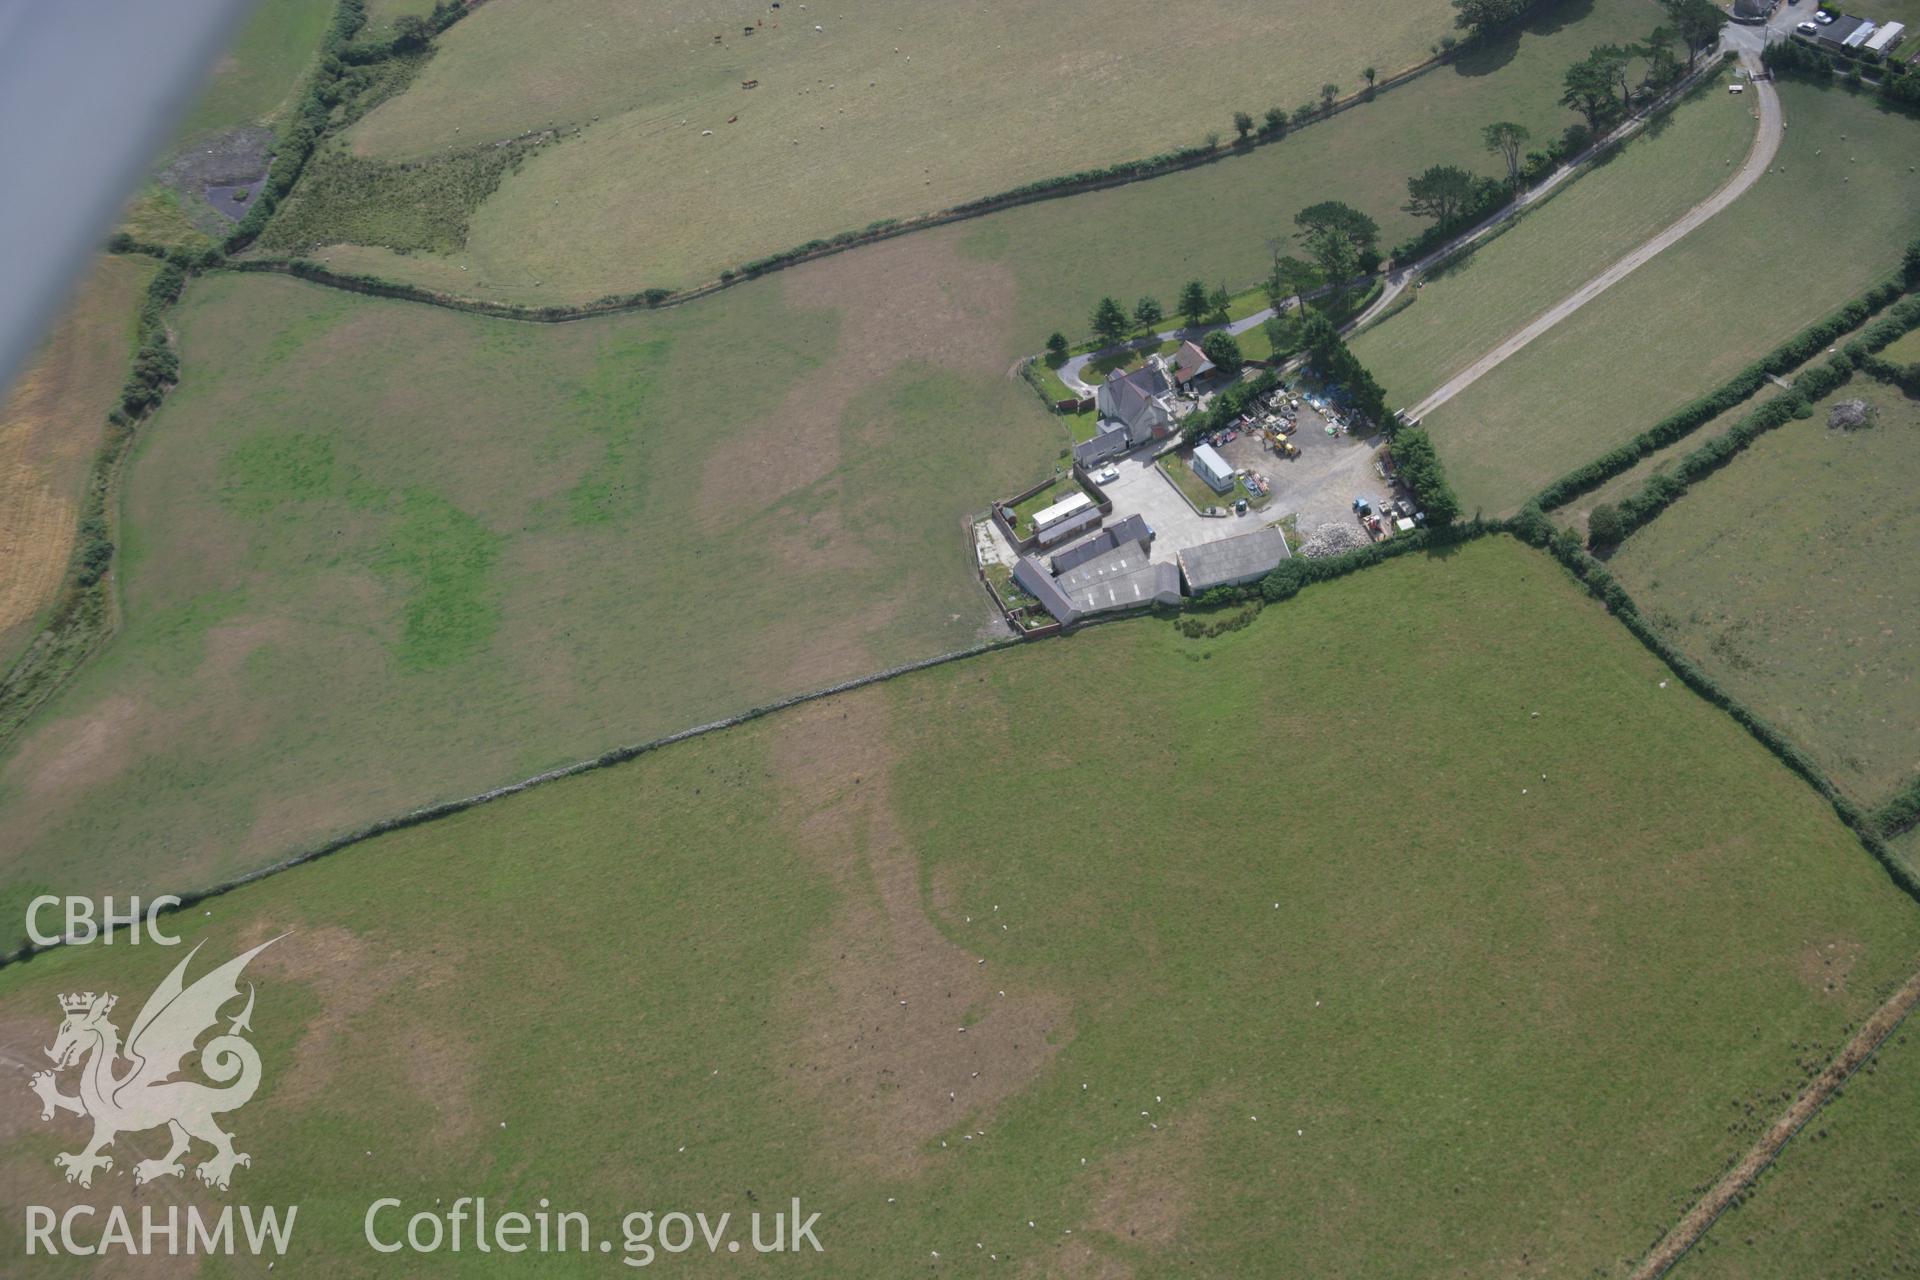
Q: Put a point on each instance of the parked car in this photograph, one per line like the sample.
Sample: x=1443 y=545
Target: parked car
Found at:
x=1808 y=29
x=1823 y=18
x=1106 y=475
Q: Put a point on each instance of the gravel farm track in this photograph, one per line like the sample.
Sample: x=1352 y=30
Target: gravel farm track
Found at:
x=1760 y=157
x=1766 y=144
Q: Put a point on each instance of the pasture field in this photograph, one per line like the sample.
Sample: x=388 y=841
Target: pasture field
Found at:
x=50 y=427
x=1468 y=308
x=567 y=226
x=261 y=68
x=377 y=553
x=1699 y=312
x=1841 y=1200
x=1788 y=574
x=1210 y=1032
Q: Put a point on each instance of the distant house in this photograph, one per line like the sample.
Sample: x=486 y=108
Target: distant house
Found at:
x=1141 y=401
x=1232 y=561
x=1190 y=366
x=1214 y=469
x=1753 y=11
x=1071 y=514
x=1109 y=441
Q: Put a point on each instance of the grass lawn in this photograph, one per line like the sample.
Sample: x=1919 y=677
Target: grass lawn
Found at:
x=1843 y=1199
x=377 y=553
x=1127 y=361
x=1023 y=511
x=1476 y=1003
x=1468 y=308
x=261 y=68
x=1179 y=468
x=51 y=421
x=565 y=226
x=1788 y=574
x=1699 y=312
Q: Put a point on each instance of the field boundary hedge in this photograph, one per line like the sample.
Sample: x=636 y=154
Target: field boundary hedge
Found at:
x=1533 y=527
x=1814 y=384
x=85 y=610
x=1682 y=422
x=1169 y=162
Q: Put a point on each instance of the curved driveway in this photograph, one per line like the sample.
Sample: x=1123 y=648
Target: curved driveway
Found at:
x=1746 y=41
x=1766 y=143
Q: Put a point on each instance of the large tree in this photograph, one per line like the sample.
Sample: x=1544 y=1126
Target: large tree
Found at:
x=1663 y=68
x=1442 y=193
x=1589 y=90
x=1343 y=219
x=1338 y=260
x=1193 y=303
x=1289 y=276
x=1482 y=17
x=1697 y=23
x=1147 y=313
x=1242 y=125
x=1109 y=321
x=1615 y=60
x=1223 y=349
x=1507 y=139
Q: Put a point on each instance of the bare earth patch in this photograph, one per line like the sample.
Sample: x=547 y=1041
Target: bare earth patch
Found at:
x=351 y=977
x=904 y=1035
x=1825 y=965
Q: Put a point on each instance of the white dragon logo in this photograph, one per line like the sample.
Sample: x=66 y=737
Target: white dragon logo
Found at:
x=145 y=1095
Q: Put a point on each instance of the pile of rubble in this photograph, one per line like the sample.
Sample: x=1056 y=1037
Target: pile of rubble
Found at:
x=1332 y=539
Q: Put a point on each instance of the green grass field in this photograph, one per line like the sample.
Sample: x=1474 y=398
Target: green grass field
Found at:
x=377 y=553
x=846 y=121
x=261 y=67
x=1267 y=1010
x=1467 y=309
x=1686 y=321
x=566 y=227
x=1787 y=575
x=1841 y=1200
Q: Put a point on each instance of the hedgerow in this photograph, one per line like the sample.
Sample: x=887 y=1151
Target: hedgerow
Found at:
x=1789 y=355
x=1532 y=526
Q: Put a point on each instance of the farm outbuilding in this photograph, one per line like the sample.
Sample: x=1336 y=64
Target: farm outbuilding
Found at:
x=1889 y=35
x=1232 y=561
x=1214 y=469
x=1074 y=512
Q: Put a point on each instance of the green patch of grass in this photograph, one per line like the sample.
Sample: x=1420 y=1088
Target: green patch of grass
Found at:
x=257 y=75
x=1403 y=988
x=1468 y=308
x=156 y=216
x=1179 y=468
x=1843 y=1196
x=425 y=206
x=1696 y=314
x=1024 y=510
x=376 y=553
x=1785 y=573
